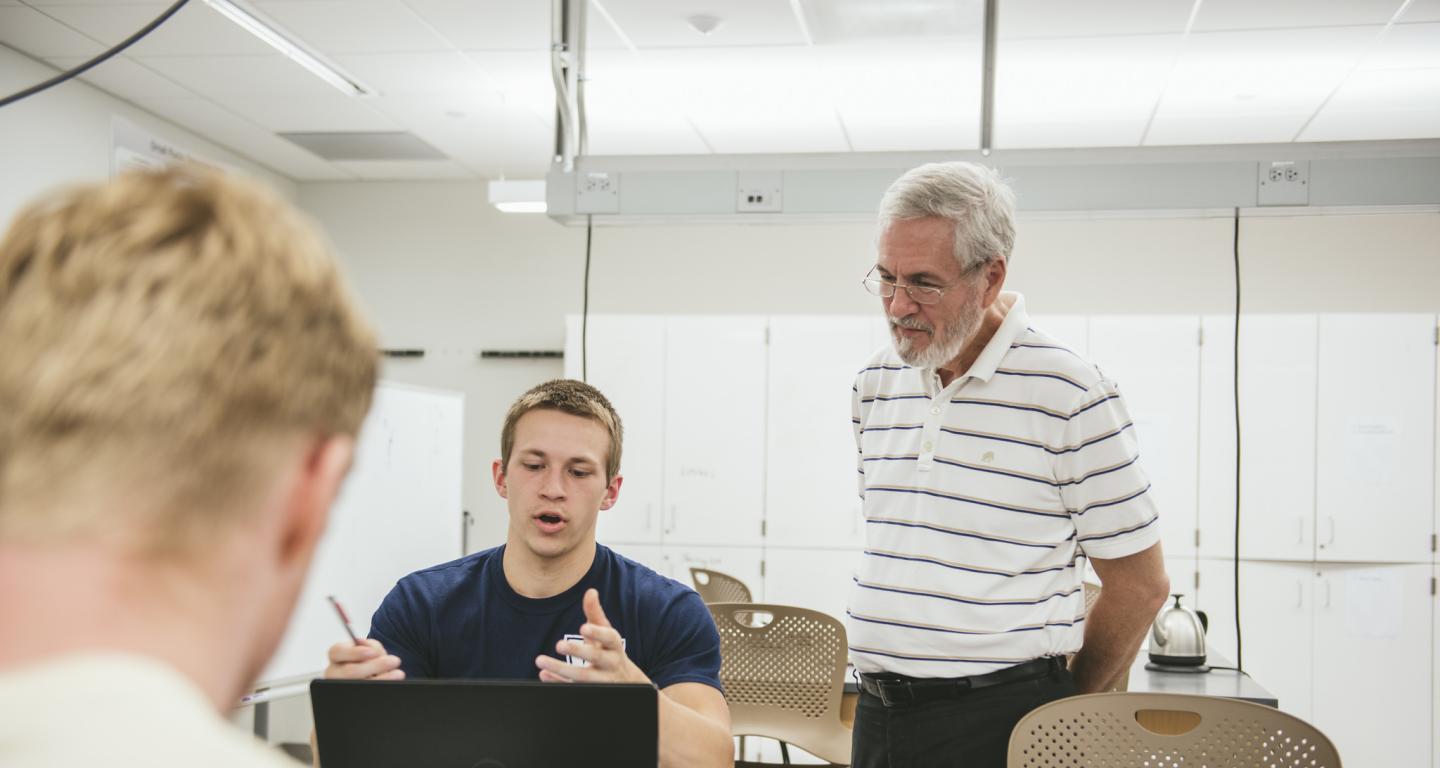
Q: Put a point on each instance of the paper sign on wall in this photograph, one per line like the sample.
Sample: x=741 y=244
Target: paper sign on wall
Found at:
x=1372 y=603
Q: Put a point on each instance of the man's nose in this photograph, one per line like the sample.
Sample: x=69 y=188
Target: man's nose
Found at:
x=901 y=305
x=552 y=486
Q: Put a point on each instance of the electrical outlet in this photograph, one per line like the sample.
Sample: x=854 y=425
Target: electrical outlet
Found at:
x=1285 y=182
x=759 y=192
x=597 y=192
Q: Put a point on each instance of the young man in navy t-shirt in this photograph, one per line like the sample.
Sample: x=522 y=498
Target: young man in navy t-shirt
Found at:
x=552 y=602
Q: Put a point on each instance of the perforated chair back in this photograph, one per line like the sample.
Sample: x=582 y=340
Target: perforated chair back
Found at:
x=784 y=680
x=1104 y=730
x=717 y=587
x=1092 y=593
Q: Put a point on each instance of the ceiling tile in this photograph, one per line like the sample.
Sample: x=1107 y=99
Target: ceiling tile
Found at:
x=522 y=77
x=481 y=131
x=1219 y=15
x=622 y=119
x=1392 y=104
x=32 y=32
x=857 y=21
x=885 y=107
x=746 y=100
x=651 y=24
x=356 y=26
x=330 y=112
x=1021 y=19
x=269 y=73
x=232 y=131
x=1406 y=46
x=196 y=30
x=377 y=170
x=437 y=73
x=1249 y=86
x=1421 y=10
x=128 y=79
x=500 y=25
x=1095 y=92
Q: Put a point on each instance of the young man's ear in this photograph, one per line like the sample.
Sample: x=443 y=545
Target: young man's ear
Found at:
x=612 y=492
x=325 y=463
x=497 y=468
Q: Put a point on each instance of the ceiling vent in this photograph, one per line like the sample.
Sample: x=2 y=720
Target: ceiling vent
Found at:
x=378 y=145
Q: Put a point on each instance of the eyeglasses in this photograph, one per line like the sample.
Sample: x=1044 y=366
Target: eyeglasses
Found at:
x=920 y=294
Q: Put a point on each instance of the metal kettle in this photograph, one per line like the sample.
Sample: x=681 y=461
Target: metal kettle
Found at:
x=1177 y=638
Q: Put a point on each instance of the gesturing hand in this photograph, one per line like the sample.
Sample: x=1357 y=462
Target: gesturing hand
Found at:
x=602 y=648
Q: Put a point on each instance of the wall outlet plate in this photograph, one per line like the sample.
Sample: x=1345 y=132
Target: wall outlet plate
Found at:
x=597 y=192
x=1284 y=182
x=759 y=192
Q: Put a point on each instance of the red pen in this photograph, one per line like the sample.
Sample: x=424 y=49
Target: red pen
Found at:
x=344 y=620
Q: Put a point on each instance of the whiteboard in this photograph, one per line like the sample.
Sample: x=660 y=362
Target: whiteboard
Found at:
x=400 y=511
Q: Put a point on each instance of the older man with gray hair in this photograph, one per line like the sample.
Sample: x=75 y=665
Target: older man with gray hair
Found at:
x=991 y=459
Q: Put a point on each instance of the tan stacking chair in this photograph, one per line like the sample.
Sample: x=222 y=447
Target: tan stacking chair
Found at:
x=717 y=587
x=1092 y=593
x=784 y=678
x=1165 y=730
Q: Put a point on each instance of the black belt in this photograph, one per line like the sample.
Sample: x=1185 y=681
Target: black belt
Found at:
x=895 y=690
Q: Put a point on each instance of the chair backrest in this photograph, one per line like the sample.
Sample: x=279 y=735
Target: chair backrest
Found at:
x=1092 y=593
x=1105 y=730
x=717 y=587
x=784 y=677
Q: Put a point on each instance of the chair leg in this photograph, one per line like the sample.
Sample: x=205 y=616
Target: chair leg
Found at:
x=784 y=753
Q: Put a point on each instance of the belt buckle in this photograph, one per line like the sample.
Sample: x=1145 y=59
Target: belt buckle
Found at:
x=891 y=690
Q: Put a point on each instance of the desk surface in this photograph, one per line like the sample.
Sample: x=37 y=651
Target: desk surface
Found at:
x=1217 y=682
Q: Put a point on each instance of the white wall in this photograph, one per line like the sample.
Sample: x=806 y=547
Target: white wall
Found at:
x=63 y=135
x=438 y=268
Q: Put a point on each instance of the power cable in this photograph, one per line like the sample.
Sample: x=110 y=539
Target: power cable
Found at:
x=585 y=306
x=100 y=59
x=1239 y=655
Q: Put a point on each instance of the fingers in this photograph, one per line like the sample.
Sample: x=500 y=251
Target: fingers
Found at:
x=593 y=612
x=553 y=670
x=349 y=661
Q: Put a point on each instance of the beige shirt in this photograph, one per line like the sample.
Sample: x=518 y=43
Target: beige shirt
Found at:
x=117 y=710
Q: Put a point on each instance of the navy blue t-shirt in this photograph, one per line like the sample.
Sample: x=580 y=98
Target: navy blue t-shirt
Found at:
x=462 y=620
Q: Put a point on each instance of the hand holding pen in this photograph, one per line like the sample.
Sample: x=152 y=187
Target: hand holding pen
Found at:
x=360 y=659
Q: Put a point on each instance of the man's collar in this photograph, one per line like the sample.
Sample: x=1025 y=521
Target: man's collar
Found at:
x=1014 y=324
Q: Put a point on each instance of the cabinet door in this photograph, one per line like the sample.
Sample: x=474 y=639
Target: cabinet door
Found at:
x=1277 y=412
x=714 y=430
x=626 y=363
x=1071 y=330
x=1376 y=438
x=1372 y=662
x=818 y=579
x=1276 y=614
x=649 y=555
x=810 y=489
x=1184 y=573
x=1156 y=362
x=744 y=563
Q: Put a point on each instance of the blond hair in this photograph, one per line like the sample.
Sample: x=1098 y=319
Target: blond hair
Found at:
x=160 y=332
x=567 y=396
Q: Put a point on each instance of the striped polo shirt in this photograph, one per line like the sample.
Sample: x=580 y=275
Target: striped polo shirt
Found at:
x=980 y=496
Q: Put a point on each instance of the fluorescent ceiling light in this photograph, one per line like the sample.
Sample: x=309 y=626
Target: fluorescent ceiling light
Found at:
x=295 y=51
x=518 y=196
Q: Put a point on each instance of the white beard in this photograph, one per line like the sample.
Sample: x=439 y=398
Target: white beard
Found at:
x=944 y=346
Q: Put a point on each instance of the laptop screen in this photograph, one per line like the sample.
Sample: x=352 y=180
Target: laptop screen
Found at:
x=483 y=724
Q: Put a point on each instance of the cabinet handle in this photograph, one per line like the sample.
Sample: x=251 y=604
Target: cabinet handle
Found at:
x=1330 y=539
x=1327 y=592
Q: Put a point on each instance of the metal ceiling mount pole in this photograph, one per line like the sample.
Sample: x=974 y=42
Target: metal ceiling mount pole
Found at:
x=987 y=85
x=567 y=56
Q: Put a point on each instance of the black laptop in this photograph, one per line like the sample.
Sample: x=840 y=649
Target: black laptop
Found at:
x=484 y=724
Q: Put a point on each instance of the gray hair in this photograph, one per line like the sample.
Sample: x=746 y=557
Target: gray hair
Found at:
x=974 y=197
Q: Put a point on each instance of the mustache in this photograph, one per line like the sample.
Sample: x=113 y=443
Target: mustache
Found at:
x=911 y=322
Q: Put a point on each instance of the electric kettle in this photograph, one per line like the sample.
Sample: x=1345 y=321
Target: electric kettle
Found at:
x=1177 y=638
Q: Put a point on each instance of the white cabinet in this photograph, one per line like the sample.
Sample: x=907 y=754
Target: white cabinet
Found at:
x=650 y=555
x=625 y=361
x=1376 y=438
x=818 y=579
x=744 y=563
x=1277 y=411
x=811 y=495
x=1156 y=362
x=714 y=430
x=1277 y=613
x=1373 y=662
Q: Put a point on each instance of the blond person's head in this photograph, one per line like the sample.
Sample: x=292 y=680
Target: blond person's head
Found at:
x=567 y=396
x=162 y=337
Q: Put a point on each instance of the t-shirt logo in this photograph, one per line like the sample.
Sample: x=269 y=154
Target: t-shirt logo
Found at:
x=578 y=662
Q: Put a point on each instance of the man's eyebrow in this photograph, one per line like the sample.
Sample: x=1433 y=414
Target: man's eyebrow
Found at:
x=928 y=277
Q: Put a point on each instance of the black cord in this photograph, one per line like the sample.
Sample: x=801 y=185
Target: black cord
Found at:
x=585 y=307
x=100 y=59
x=1239 y=654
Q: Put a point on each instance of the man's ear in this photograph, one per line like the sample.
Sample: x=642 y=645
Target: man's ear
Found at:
x=995 y=273
x=497 y=468
x=612 y=492
x=325 y=463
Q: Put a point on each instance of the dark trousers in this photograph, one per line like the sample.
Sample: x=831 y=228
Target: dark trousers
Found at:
x=971 y=730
